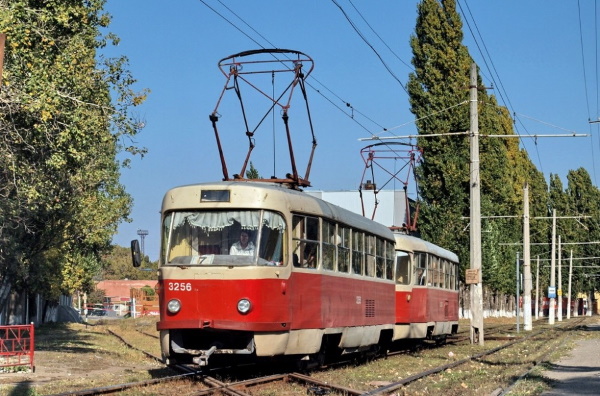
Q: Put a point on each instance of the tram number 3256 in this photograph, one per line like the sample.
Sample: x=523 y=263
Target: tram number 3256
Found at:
x=179 y=286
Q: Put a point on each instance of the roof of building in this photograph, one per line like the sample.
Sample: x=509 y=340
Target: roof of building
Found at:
x=122 y=288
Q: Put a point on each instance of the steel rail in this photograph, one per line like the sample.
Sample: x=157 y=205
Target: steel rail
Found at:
x=122 y=387
x=435 y=370
x=536 y=363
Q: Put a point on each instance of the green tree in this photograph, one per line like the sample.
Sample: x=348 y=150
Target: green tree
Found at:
x=252 y=173
x=116 y=265
x=439 y=95
x=65 y=114
x=437 y=86
x=584 y=201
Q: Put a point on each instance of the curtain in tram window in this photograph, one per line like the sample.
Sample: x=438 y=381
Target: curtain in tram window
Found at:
x=273 y=221
x=216 y=221
x=208 y=221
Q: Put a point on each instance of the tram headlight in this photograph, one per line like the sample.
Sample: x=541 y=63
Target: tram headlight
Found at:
x=174 y=306
x=244 y=306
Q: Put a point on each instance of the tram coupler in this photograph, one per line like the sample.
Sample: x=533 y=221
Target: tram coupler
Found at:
x=202 y=360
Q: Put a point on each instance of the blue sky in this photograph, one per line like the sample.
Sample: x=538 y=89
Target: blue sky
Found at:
x=532 y=55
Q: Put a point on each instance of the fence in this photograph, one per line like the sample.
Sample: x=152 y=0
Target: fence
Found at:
x=143 y=303
x=17 y=346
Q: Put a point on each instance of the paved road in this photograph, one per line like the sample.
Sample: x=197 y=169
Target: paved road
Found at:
x=579 y=372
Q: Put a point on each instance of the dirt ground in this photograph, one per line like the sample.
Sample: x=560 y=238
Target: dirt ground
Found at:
x=76 y=356
x=578 y=372
x=75 y=353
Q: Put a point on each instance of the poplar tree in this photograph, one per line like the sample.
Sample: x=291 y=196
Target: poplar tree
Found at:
x=439 y=98
x=584 y=200
x=65 y=114
x=438 y=92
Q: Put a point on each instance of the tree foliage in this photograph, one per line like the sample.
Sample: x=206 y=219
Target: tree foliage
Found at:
x=437 y=86
x=116 y=265
x=65 y=114
x=252 y=173
x=584 y=206
x=439 y=95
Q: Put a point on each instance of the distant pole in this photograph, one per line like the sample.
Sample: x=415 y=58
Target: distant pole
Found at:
x=142 y=234
x=552 y=276
x=518 y=293
x=527 y=324
x=537 y=289
x=475 y=214
x=569 y=287
x=559 y=292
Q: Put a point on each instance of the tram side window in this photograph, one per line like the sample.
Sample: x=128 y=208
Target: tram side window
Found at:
x=434 y=271
x=447 y=268
x=298 y=233
x=358 y=255
x=420 y=277
x=402 y=268
x=389 y=260
x=272 y=242
x=344 y=249
x=305 y=249
x=380 y=258
x=329 y=245
x=370 y=250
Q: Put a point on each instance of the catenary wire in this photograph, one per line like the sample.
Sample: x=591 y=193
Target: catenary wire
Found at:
x=499 y=84
x=347 y=104
x=370 y=45
x=585 y=86
x=379 y=37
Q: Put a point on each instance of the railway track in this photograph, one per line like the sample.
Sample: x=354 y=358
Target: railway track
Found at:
x=546 y=340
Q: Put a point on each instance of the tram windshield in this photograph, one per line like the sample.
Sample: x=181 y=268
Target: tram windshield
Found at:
x=226 y=237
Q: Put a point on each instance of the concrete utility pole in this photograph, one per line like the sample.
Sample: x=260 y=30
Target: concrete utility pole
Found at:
x=552 y=288
x=518 y=292
x=475 y=214
x=527 y=323
x=537 y=289
x=569 y=287
x=559 y=292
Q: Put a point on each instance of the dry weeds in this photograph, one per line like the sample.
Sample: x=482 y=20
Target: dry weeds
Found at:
x=76 y=356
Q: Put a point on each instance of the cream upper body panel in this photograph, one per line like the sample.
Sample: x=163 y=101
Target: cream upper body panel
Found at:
x=263 y=195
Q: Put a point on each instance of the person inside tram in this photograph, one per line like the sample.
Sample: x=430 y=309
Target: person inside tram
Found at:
x=420 y=278
x=311 y=257
x=244 y=246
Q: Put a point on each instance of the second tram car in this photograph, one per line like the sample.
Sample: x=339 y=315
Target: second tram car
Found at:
x=426 y=290
x=258 y=269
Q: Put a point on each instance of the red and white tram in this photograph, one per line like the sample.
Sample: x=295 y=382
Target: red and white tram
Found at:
x=308 y=279
x=426 y=290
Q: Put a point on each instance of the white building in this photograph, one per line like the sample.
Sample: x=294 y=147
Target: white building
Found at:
x=390 y=211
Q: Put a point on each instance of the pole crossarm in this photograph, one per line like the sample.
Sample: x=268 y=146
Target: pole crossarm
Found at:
x=547 y=243
x=537 y=136
x=466 y=133
x=413 y=136
x=561 y=217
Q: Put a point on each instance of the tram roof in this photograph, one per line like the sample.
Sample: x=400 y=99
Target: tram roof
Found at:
x=411 y=243
x=188 y=197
